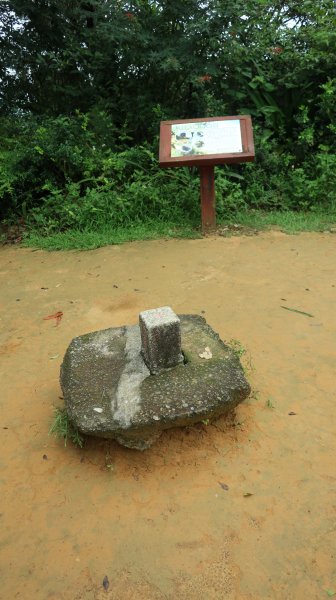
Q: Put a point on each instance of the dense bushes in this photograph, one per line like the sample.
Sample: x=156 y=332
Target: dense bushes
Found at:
x=66 y=173
x=80 y=106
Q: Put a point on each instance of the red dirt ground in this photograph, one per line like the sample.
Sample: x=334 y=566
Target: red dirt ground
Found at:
x=158 y=524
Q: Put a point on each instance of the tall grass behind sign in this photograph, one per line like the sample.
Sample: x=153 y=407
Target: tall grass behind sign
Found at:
x=205 y=143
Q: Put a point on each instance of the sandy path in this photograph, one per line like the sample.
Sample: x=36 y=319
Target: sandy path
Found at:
x=158 y=523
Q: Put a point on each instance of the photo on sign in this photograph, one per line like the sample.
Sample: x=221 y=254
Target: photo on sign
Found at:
x=206 y=137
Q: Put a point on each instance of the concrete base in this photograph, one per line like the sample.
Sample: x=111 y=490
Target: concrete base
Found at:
x=109 y=391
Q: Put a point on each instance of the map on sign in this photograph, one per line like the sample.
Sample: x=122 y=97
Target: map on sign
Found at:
x=206 y=137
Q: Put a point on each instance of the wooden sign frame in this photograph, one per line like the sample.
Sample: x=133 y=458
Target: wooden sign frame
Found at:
x=247 y=155
x=206 y=162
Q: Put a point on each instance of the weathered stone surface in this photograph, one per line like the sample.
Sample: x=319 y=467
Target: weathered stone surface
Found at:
x=160 y=339
x=109 y=391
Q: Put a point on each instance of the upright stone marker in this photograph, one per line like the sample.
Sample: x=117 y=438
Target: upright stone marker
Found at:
x=160 y=339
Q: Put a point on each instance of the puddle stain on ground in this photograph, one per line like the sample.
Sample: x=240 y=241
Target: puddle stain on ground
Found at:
x=243 y=508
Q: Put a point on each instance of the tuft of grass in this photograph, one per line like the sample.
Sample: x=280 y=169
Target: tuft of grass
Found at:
x=269 y=403
x=237 y=347
x=62 y=427
x=242 y=354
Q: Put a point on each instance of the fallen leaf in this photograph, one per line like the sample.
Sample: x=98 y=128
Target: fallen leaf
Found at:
x=52 y=357
x=300 y=312
x=291 y=413
x=98 y=410
x=58 y=316
x=247 y=494
x=224 y=486
x=207 y=354
x=106 y=583
x=58 y=285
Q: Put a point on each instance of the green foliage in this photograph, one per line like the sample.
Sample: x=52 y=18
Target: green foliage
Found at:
x=64 y=175
x=279 y=181
x=62 y=427
x=67 y=173
x=81 y=101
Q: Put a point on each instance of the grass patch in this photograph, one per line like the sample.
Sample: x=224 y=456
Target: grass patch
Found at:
x=62 y=427
x=89 y=240
x=287 y=221
x=238 y=224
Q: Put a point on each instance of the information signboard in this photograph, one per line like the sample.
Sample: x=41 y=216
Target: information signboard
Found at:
x=205 y=143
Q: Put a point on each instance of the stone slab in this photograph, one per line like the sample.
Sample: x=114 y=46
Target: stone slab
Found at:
x=109 y=391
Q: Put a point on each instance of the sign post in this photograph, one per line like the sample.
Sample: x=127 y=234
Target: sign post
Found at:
x=208 y=203
x=205 y=143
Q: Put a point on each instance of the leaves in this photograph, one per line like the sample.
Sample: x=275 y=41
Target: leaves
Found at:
x=224 y=486
x=295 y=310
x=58 y=316
x=80 y=100
x=106 y=583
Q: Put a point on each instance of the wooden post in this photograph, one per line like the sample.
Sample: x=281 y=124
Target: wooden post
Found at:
x=208 y=207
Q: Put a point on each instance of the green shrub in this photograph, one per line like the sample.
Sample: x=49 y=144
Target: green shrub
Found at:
x=71 y=173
